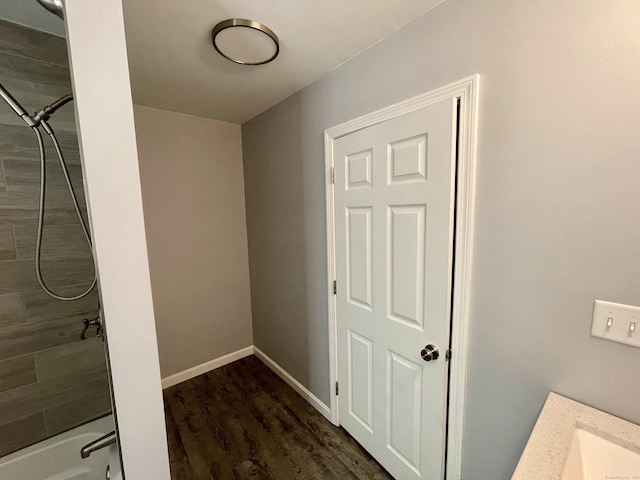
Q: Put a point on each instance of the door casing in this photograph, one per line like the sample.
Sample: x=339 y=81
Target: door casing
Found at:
x=466 y=90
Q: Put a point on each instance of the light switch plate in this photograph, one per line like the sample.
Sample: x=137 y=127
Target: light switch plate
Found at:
x=616 y=322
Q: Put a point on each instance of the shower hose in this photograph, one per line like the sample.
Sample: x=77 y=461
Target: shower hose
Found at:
x=74 y=199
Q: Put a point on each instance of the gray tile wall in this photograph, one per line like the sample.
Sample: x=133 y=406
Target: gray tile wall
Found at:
x=50 y=380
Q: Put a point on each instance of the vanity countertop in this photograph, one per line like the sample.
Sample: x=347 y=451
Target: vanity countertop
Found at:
x=544 y=455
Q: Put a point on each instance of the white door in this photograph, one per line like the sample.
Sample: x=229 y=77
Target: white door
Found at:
x=394 y=212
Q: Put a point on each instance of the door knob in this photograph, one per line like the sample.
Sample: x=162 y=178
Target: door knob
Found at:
x=430 y=352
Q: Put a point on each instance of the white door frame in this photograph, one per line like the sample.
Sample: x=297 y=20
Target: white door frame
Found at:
x=466 y=90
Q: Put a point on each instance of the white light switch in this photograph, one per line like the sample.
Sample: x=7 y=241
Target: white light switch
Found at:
x=616 y=322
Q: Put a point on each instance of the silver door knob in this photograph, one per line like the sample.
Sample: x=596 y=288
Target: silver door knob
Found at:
x=430 y=352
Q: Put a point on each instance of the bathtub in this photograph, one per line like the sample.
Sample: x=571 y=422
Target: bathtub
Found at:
x=58 y=458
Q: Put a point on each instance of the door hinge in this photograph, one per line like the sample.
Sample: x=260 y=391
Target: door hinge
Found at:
x=337 y=389
x=333 y=175
x=335 y=288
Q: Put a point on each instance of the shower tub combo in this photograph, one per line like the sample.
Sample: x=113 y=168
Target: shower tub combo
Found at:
x=67 y=456
x=89 y=451
x=59 y=458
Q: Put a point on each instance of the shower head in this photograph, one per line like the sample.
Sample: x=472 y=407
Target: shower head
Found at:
x=54 y=6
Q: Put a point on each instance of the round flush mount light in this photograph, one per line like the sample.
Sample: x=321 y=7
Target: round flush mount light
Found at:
x=246 y=42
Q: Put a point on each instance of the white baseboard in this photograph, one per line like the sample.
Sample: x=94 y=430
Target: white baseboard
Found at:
x=189 y=373
x=293 y=383
x=185 y=375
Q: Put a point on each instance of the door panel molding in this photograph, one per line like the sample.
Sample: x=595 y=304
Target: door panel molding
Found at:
x=466 y=91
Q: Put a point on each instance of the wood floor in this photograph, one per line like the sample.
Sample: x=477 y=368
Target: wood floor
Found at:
x=242 y=421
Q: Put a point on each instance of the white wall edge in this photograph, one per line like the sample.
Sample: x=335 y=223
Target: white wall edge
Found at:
x=205 y=367
x=293 y=383
x=109 y=156
x=466 y=90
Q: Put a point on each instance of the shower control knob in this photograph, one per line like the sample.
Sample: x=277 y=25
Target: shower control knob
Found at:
x=94 y=322
x=430 y=352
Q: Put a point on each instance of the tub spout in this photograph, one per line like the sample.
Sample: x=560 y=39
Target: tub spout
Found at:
x=105 y=441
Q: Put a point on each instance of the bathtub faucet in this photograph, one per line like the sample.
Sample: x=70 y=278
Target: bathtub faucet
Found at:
x=105 y=441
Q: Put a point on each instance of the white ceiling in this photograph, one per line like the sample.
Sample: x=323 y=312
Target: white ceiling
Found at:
x=174 y=66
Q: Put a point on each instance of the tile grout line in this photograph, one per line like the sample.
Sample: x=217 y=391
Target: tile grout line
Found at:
x=31 y=45
x=13 y=242
x=37 y=60
x=4 y=177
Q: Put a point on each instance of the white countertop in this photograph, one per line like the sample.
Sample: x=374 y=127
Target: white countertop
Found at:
x=543 y=457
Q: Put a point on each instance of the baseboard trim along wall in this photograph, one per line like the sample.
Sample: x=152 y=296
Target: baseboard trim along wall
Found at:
x=293 y=383
x=192 y=372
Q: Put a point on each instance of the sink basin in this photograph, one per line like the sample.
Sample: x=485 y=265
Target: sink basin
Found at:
x=591 y=457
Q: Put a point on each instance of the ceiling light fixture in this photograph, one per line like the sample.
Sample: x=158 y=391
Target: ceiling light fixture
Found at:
x=246 y=42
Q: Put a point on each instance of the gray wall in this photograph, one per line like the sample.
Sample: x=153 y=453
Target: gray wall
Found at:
x=557 y=204
x=274 y=186
x=193 y=196
x=50 y=380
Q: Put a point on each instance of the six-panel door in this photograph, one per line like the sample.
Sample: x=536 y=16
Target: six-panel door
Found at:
x=394 y=210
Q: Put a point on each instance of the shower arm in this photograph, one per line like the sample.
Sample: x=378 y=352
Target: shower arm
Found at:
x=45 y=114
x=42 y=116
x=16 y=107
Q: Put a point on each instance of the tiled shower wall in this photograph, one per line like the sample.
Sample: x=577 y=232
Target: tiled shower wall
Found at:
x=50 y=380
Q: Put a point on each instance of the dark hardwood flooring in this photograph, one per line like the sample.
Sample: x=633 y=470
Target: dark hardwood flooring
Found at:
x=242 y=421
